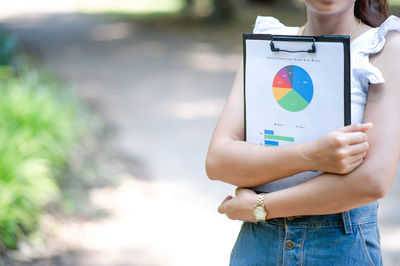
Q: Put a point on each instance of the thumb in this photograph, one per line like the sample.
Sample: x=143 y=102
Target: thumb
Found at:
x=222 y=206
x=363 y=127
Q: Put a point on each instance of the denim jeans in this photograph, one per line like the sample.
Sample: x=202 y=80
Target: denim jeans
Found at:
x=348 y=238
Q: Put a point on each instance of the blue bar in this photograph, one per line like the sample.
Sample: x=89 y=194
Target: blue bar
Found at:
x=269 y=132
x=271 y=143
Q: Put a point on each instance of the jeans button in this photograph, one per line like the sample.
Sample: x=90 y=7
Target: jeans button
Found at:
x=289 y=244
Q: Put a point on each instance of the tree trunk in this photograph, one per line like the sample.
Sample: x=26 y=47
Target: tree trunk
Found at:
x=189 y=3
x=224 y=10
x=189 y=6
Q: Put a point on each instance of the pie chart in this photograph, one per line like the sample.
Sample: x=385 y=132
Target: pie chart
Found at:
x=293 y=88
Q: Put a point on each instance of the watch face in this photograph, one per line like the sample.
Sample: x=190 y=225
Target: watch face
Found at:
x=259 y=213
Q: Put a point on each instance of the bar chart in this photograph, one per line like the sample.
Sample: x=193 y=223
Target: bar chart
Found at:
x=271 y=139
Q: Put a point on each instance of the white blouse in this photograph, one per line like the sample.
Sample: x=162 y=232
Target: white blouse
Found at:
x=362 y=71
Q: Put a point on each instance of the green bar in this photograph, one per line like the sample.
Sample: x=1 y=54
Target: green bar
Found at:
x=267 y=136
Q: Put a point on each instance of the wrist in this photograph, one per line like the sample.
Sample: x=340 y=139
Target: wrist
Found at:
x=306 y=156
x=251 y=201
x=268 y=205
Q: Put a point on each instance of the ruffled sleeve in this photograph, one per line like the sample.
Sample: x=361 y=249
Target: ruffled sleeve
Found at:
x=267 y=25
x=371 y=42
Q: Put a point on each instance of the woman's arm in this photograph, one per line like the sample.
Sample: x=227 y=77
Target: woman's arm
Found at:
x=232 y=160
x=330 y=193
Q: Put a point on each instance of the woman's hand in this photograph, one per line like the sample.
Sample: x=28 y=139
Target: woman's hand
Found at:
x=340 y=151
x=240 y=207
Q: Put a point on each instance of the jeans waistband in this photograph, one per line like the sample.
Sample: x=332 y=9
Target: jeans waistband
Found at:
x=364 y=214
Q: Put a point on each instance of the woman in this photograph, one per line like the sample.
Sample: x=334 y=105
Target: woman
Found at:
x=331 y=219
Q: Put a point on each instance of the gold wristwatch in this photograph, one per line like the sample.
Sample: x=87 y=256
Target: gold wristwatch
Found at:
x=259 y=210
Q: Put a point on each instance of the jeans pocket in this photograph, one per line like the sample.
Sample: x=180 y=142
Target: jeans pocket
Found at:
x=257 y=244
x=370 y=243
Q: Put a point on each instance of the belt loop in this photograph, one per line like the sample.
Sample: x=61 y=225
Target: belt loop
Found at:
x=347 y=223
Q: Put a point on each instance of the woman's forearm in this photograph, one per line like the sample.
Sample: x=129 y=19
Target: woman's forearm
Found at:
x=331 y=193
x=325 y=194
x=244 y=164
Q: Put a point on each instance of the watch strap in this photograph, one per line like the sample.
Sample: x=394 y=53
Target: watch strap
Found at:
x=260 y=200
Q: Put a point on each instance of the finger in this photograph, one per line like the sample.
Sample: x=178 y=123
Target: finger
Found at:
x=367 y=126
x=355 y=158
x=354 y=165
x=359 y=148
x=364 y=127
x=355 y=137
x=222 y=206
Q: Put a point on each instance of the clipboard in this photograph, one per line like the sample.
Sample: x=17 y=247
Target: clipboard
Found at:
x=296 y=89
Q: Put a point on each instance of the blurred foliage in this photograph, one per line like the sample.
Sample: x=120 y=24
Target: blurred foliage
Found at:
x=8 y=45
x=39 y=122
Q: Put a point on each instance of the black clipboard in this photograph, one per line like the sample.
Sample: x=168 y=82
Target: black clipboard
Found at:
x=285 y=76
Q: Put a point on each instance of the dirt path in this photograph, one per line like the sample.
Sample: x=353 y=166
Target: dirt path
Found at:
x=161 y=93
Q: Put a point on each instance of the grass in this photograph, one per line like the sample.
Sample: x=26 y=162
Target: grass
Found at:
x=39 y=122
